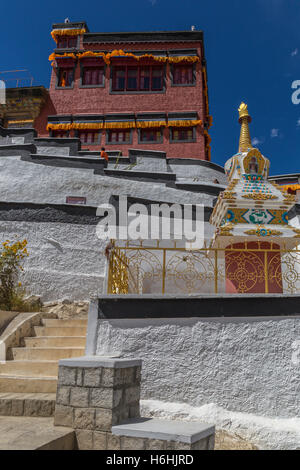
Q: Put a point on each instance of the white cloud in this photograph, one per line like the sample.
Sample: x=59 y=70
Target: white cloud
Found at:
x=256 y=141
x=274 y=133
x=298 y=123
x=294 y=52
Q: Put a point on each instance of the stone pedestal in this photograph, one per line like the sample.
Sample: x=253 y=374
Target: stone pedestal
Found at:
x=99 y=398
x=93 y=394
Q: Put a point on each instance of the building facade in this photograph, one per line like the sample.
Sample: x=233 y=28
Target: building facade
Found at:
x=129 y=90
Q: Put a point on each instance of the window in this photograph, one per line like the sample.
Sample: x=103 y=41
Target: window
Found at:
x=65 y=42
x=93 y=76
x=88 y=137
x=182 y=134
x=66 y=77
x=150 y=135
x=137 y=78
x=60 y=134
x=183 y=75
x=118 y=136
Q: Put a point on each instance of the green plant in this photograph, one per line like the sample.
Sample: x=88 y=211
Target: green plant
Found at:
x=11 y=257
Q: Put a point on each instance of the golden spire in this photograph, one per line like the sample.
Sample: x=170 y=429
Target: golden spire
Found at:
x=244 y=119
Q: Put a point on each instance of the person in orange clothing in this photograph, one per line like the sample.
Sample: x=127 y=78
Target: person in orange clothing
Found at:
x=103 y=154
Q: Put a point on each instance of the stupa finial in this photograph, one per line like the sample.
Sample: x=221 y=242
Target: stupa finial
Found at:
x=244 y=119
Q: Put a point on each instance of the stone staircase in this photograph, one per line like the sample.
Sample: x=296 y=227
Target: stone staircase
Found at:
x=28 y=382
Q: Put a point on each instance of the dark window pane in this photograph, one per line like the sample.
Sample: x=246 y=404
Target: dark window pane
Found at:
x=150 y=135
x=119 y=78
x=145 y=78
x=118 y=136
x=132 y=75
x=72 y=42
x=183 y=74
x=182 y=133
x=92 y=76
x=157 y=73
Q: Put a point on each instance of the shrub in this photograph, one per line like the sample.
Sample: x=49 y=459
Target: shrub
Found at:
x=11 y=257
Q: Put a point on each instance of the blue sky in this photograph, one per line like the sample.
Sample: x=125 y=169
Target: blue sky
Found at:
x=252 y=50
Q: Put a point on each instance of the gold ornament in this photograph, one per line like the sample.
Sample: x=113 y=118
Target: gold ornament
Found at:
x=244 y=119
x=259 y=196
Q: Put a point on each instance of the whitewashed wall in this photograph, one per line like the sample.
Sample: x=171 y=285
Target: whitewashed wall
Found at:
x=241 y=364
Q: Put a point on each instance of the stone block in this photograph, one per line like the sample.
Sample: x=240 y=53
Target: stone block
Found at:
x=132 y=443
x=67 y=375
x=105 y=419
x=113 y=442
x=79 y=397
x=79 y=378
x=99 y=440
x=84 y=439
x=170 y=445
x=125 y=376
x=155 y=444
x=108 y=377
x=92 y=377
x=134 y=410
x=102 y=397
x=63 y=416
x=182 y=446
x=200 y=445
x=63 y=395
x=84 y=418
x=132 y=395
x=211 y=443
x=5 y=407
x=17 y=407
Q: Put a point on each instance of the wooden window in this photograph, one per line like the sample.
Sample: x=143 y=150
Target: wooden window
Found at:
x=93 y=76
x=183 y=75
x=60 y=134
x=118 y=135
x=137 y=78
x=157 y=78
x=66 y=77
x=150 y=135
x=88 y=137
x=66 y=42
x=180 y=134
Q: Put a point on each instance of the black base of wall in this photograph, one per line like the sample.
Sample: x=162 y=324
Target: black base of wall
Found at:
x=172 y=306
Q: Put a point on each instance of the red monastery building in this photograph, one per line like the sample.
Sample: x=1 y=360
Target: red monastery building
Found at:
x=144 y=90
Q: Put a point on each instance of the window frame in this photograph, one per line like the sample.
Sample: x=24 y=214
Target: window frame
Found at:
x=172 y=75
x=58 y=72
x=85 y=144
x=52 y=134
x=192 y=140
x=82 y=67
x=68 y=38
x=139 y=67
x=107 y=142
x=143 y=142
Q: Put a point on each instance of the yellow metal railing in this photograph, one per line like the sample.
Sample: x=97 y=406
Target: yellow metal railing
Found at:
x=155 y=269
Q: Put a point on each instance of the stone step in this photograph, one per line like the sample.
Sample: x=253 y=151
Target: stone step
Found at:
x=60 y=331
x=27 y=433
x=29 y=384
x=46 y=354
x=30 y=368
x=55 y=341
x=58 y=322
x=27 y=404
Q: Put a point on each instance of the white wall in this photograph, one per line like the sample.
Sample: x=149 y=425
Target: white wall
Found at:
x=240 y=364
x=65 y=260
